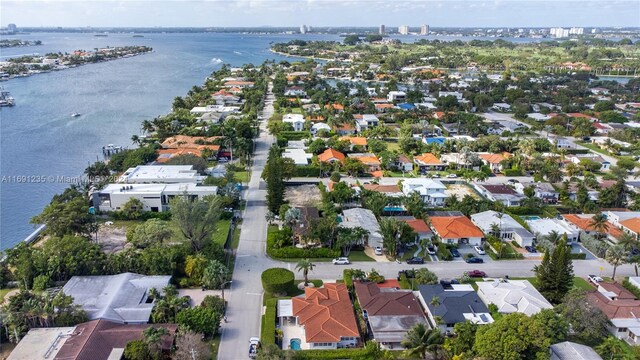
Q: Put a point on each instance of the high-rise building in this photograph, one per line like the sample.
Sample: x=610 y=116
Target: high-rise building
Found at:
x=403 y=30
x=12 y=28
x=559 y=32
x=303 y=29
x=424 y=30
x=381 y=29
x=576 y=31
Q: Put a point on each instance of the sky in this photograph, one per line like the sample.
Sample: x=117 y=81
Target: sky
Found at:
x=320 y=13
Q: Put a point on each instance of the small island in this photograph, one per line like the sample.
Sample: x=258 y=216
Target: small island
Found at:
x=7 y=43
x=33 y=64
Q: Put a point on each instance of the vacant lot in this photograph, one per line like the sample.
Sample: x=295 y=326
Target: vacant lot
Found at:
x=303 y=195
x=460 y=191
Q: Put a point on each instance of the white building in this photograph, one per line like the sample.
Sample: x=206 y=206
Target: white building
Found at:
x=161 y=174
x=365 y=122
x=512 y=296
x=381 y=30
x=509 y=228
x=154 y=197
x=431 y=191
x=403 y=30
x=315 y=128
x=456 y=94
x=424 y=30
x=299 y=156
x=364 y=218
x=396 y=96
x=543 y=227
x=296 y=120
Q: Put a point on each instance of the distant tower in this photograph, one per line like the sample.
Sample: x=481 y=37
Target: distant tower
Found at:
x=424 y=30
x=303 y=29
x=381 y=30
x=12 y=28
x=403 y=30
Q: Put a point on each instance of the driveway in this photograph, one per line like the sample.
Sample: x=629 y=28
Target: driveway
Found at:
x=197 y=295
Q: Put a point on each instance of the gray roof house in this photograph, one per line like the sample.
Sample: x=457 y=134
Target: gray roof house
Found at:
x=452 y=304
x=510 y=229
x=123 y=298
x=568 y=350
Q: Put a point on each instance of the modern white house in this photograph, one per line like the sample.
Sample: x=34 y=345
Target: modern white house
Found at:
x=161 y=174
x=543 y=227
x=396 y=96
x=154 y=197
x=510 y=229
x=296 y=121
x=456 y=94
x=541 y=190
x=299 y=156
x=431 y=191
x=512 y=296
x=315 y=128
x=365 y=122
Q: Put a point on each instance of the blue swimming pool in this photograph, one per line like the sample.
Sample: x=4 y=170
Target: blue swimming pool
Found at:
x=532 y=217
x=295 y=344
x=394 y=208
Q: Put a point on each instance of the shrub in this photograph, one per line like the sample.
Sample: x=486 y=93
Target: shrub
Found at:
x=365 y=353
x=200 y=320
x=597 y=247
x=375 y=277
x=294 y=135
x=268 y=331
x=307 y=171
x=634 y=290
x=578 y=256
x=277 y=280
x=41 y=282
x=512 y=172
x=444 y=253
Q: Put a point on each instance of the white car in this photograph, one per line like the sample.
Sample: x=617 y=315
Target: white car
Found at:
x=595 y=279
x=341 y=261
x=479 y=250
x=452 y=176
x=378 y=250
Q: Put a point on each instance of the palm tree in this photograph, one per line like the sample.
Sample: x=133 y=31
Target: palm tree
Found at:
x=599 y=224
x=270 y=217
x=435 y=301
x=627 y=241
x=553 y=237
x=305 y=265
x=153 y=337
x=421 y=341
x=611 y=346
x=616 y=256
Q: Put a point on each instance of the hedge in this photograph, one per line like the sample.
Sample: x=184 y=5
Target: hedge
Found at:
x=347 y=278
x=277 y=280
x=634 y=290
x=268 y=331
x=507 y=251
x=578 y=256
x=294 y=135
x=512 y=172
x=444 y=253
x=353 y=354
x=307 y=171
x=291 y=252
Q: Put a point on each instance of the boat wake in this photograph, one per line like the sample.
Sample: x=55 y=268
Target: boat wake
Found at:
x=237 y=52
x=216 y=61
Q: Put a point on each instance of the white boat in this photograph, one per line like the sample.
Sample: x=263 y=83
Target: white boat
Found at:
x=75 y=114
x=6 y=99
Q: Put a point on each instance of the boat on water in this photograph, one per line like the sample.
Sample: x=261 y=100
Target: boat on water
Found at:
x=138 y=36
x=101 y=35
x=75 y=114
x=6 y=99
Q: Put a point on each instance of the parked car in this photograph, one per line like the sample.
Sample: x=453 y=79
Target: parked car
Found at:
x=595 y=279
x=512 y=181
x=254 y=346
x=452 y=176
x=476 y=273
x=435 y=176
x=378 y=250
x=474 y=260
x=415 y=260
x=531 y=249
x=455 y=252
x=341 y=261
x=431 y=250
x=479 y=250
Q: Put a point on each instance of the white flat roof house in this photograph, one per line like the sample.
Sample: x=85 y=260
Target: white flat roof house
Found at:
x=123 y=298
x=161 y=174
x=296 y=120
x=366 y=121
x=299 y=156
x=512 y=296
x=431 y=191
x=543 y=227
x=394 y=96
x=154 y=197
x=364 y=218
x=510 y=229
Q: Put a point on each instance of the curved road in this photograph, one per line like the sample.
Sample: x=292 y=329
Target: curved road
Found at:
x=245 y=295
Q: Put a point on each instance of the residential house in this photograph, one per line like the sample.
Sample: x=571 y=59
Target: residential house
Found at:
x=562 y=142
x=389 y=190
x=620 y=306
x=494 y=161
x=422 y=230
x=432 y=191
x=322 y=318
x=538 y=117
x=396 y=96
x=616 y=217
x=122 y=298
x=238 y=84
x=331 y=156
x=300 y=157
x=371 y=161
x=94 y=340
x=335 y=107
x=456 y=230
x=543 y=227
x=428 y=162
x=631 y=226
x=345 y=129
x=455 y=158
x=301 y=228
x=447 y=306
x=315 y=128
x=295 y=91
x=583 y=223
x=154 y=197
x=364 y=218
x=577 y=159
x=355 y=141
x=602 y=128
x=403 y=163
x=542 y=190
x=568 y=350
x=365 y=122
x=510 y=229
x=161 y=174
x=182 y=144
x=502 y=107
x=455 y=94
x=503 y=193
x=512 y=296
x=296 y=121
x=383 y=108
x=389 y=312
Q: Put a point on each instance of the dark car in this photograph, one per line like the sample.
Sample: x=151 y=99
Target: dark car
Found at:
x=415 y=260
x=455 y=252
x=476 y=273
x=474 y=260
x=530 y=249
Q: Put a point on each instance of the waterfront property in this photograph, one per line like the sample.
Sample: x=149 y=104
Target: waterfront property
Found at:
x=509 y=228
x=161 y=174
x=154 y=197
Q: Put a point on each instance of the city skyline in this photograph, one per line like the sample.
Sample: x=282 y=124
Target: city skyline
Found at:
x=321 y=13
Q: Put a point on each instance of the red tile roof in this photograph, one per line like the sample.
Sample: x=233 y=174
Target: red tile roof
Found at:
x=584 y=223
x=632 y=224
x=330 y=154
x=326 y=313
x=428 y=159
x=418 y=225
x=614 y=309
x=355 y=140
x=377 y=302
x=495 y=158
x=382 y=188
x=455 y=227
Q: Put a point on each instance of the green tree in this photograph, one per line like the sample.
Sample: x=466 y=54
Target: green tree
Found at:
x=349 y=237
x=199 y=164
x=461 y=345
x=194 y=267
x=151 y=232
x=196 y=218
x=152 y=336
x=587 y=321
x=512 y=337
x=274 y=175
x=137 y=350
x=556 y=327
x=351 y=39
x=555 y=274
x=604 y=105
x=68 y=213
x=201 y=320
x=599 y=224
x=305 y=265
x=424 y=276
x=395 y=232
x=611 y=348
x=616 y=256
x=215 y=275
x=420 y=341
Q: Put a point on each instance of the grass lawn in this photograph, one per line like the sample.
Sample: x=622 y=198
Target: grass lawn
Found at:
x=236 y=236
x=359 y=256
x=595 y=148
x=391 y=146
x=241 y=176
x=215 y=345
x=222 y=229
x=3 y=293
x=293 y=291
